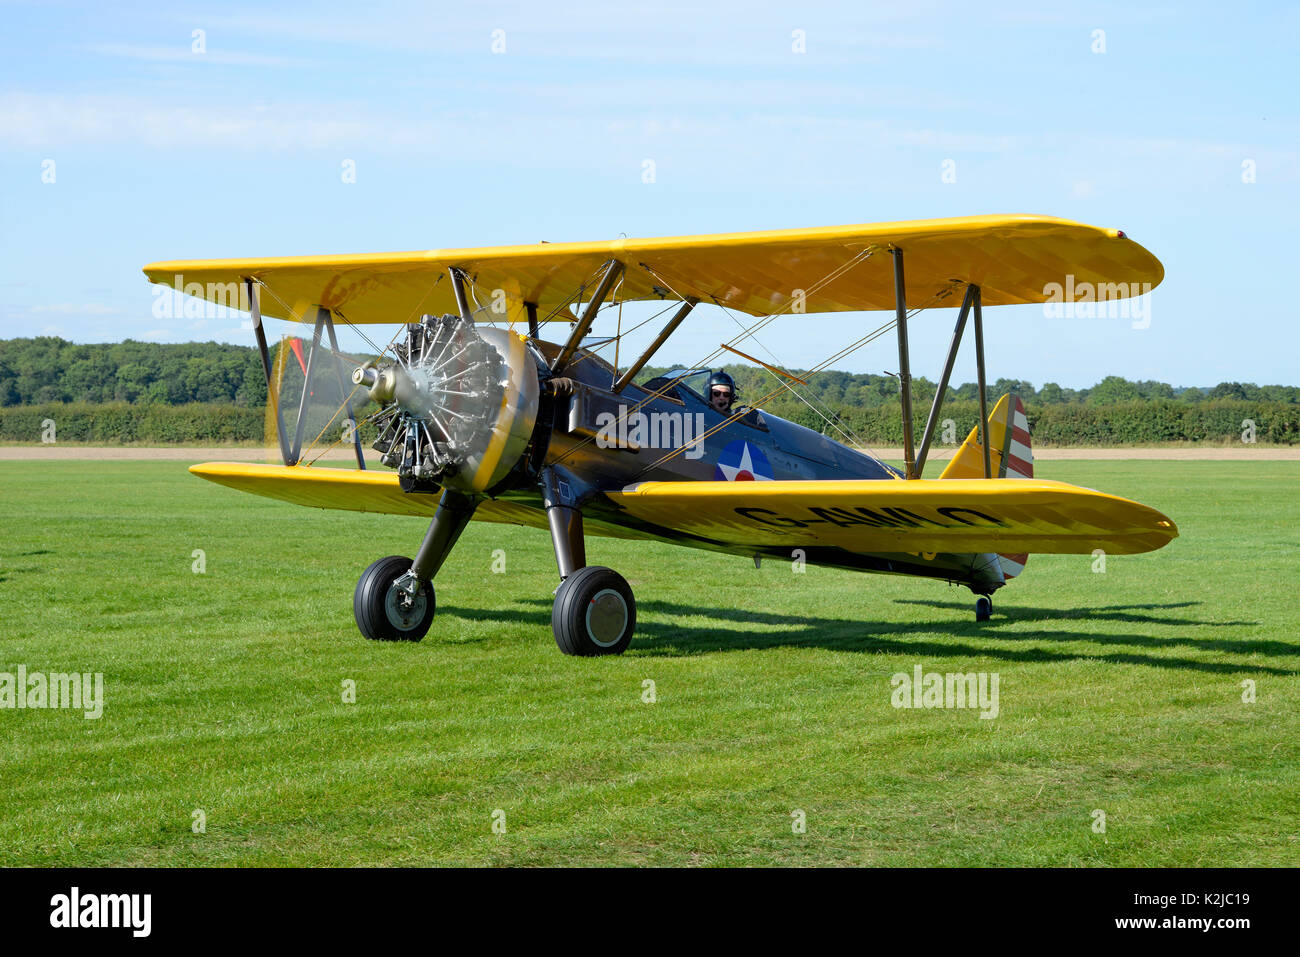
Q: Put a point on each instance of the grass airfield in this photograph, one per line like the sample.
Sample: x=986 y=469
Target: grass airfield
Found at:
x=1120 y=691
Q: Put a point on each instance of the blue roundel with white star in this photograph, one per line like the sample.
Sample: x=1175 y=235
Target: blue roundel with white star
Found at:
x=742 y=462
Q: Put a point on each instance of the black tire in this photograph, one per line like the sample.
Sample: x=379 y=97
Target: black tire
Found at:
x=375 y=605
x=594 y=613
x=983 y=608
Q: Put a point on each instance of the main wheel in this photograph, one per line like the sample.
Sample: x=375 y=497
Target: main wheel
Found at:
x=385 y=612
x=594 y=613
x=983 y=608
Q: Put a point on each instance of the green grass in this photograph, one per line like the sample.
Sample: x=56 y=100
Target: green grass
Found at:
x=1118 y=691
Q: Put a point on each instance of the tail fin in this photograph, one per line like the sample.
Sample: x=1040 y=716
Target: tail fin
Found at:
x=1011 y=455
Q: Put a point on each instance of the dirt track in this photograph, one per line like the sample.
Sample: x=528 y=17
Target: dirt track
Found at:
x=1245 y=453
x=180 y=453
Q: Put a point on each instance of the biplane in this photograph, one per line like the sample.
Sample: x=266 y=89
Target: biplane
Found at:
x=482 y=416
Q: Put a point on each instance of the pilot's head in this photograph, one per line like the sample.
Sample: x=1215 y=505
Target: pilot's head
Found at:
x=722 y=392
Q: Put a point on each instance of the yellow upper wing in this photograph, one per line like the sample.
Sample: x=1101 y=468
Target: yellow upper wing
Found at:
x=1012 y=258
x=923 y=515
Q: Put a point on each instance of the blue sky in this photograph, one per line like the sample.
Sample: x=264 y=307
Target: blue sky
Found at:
x=163 y=153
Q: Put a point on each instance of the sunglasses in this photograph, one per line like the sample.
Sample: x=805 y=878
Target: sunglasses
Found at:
x=722 y=392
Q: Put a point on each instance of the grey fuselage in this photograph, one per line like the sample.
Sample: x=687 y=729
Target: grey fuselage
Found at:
x=587 y=461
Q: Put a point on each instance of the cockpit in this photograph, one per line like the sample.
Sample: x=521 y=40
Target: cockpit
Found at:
x=688 y=387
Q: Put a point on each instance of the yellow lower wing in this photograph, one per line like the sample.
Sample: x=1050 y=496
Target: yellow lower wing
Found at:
x=349 y=489
x=944 y=515
x=370 y=491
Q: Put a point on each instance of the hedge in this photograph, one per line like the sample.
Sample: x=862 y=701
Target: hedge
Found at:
x=125 y=423
x=121 y=423
x=1126 y=423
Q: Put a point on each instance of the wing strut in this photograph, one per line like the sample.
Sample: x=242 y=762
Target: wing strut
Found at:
x=612 y=272
x=347 y=400
x=458 y=289
x=904 y=365
x=271 y=397
x=979 y=370
x=972 y=292
x=669 y=328
x=324 y=321
x=321 y=314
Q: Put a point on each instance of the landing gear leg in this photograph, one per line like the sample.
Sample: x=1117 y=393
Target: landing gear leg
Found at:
x=395 y=600
x=567 y=539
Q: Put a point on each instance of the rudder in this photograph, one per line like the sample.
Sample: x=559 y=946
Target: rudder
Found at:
x=1011 y=455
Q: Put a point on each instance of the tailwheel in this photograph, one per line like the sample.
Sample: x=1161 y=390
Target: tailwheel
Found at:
x=983 y=608
x=594 y=613
x=390 y=604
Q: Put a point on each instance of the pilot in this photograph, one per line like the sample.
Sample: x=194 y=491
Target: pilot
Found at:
x=722 y=392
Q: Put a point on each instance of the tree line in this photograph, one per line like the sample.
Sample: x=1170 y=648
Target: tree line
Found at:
x=137 y=392
x=866 y=390
x=48 y=369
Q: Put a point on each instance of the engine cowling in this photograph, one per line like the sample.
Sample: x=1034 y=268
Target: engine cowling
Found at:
x=459 y=404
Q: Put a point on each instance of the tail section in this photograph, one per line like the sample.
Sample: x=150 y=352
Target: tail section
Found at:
x=1011 y=455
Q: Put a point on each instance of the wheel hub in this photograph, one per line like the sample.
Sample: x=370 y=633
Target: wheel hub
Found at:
x=606 y=617
x=404 y=609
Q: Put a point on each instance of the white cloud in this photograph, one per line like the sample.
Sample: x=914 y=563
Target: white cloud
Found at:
x=58 y=120
x=183 y=54
x=671 y=32
x=74 y=309
x=681 y=132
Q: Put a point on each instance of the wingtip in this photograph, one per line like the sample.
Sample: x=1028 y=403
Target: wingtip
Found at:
x=210 y=470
